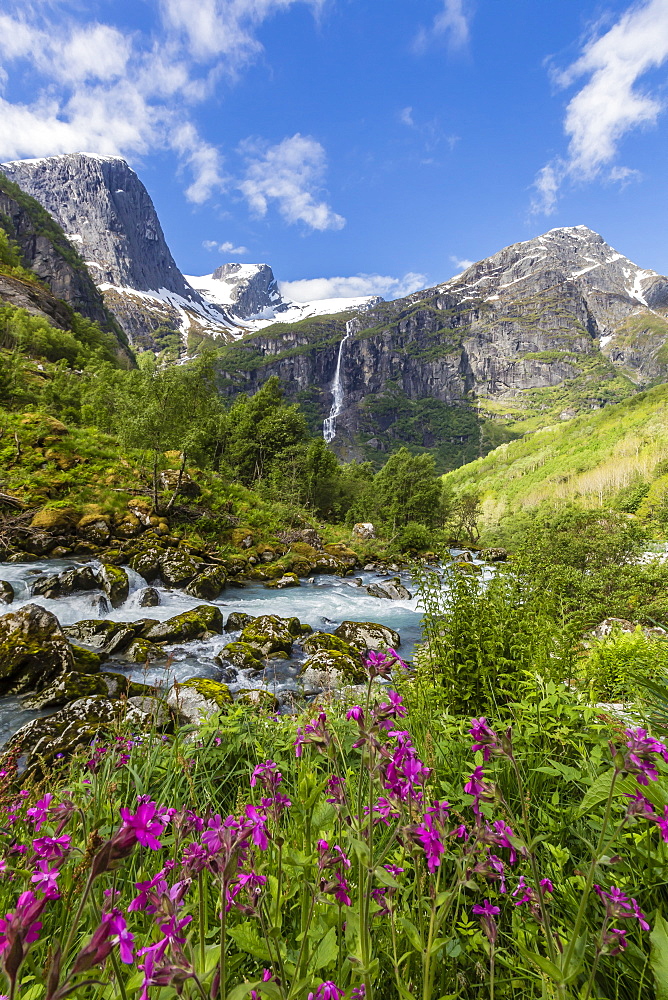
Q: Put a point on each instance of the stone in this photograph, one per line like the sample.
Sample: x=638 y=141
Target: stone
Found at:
x=306 y=536
x=67 y=582
x=495 y=555
x=66 y=688
x=325 y=640
x=237 y=621
x=287 y=580
x=155 y=709
x=208 y=585
x=40 y=543
x=368 y=635
x=114 y=582
x=108 y=637
x=128 y=526
x=121 y=686
x=46 y=742
x=143 y=651
x=169 y=480
x=258 y=698
x=332 y=661
x=242 y=538
x=61 y=520
x=178 y=568
x=85 y=660
x=342 y=553
x=198 y=699
x=391 y=590
x=6 y=592
x=148 y=598
x=147 y=563
x=242 y=655
x=188 y=625
x=271 y=634
x=94 y=528
x=364 y=529
x=34 y=650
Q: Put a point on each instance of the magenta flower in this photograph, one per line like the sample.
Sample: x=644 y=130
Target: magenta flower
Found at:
x=479 y=789
x=356 y=713
x=487 y=913
x=485 y=738
x=50 y=848
x=613 y=941
x=268 y=774
x=266 y=978
x=46 y=880
x=394 y=870
x=38 y=813
x=359 y=993
x=642 y=753
x=618 y=904
x=397 y=659
x=258 y=825
x=377 y=664
x=327 y=991
x=314 y=733
x=147 y=823
x=639 y=806
x=393 y=708
x=432 y=843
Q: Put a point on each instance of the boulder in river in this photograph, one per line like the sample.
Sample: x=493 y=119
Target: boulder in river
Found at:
x=114 y=582
x=242 y=655
x=364 y=529
x=149 y=597
x=147 y=562
x=66 y=688
x=33 y=650
x=287 y=580
x=198 y=699
x=325 y=640
x=258 y=698
x=178 y=567
x=6 y=592
x=392 y=590
x=342 y=668
x=109 y=637
x=207 y=585
x=236 y=621
x=188 y=625
x=368 y=635
x=272 y=634
x=67 y=582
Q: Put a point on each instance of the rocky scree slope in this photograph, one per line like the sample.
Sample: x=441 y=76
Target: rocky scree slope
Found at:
x=556 y=324
x=56 y=281
x=107 y=213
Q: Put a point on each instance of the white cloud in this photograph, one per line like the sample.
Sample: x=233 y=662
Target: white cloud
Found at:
x=227 y=248
x=609 y=105
x=100 y=90
x=406 y=116
x=289 y=173
x=461 y=262
x=453 y=23
x=356 y=286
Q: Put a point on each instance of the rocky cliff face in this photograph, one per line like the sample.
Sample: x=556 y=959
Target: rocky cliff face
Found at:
x=558 y=323
x=107 y=214
x=65 y=280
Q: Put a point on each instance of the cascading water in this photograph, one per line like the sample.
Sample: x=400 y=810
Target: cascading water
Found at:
x=329 y=425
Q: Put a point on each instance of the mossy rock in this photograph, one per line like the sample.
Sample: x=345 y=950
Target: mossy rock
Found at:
x=257 y=698
x=61 y=520
x=178 y=568
x=66 y=688
x=261 y=574
x=468 y=567
x=121 y=686
x=6 y=592
x=284 y=581
x=235 y=565
x=86 y=661
x=48 y=742
x=95 y=528
x=325 y=640
x=34 y=650
x=128 y=526
x=307 y=552
x=109 y=637
x=331 y=661
x=198 y=699
x=342 y=553
x=67 y=582
x=114 y=582
x=368 y=635
x=271 y=634
x=238 y=621
x=188 y=625
x=242 y=655
x=208 y=585
x=242 y=538
x=147 y=562
x=149 y=597
x=143 y=651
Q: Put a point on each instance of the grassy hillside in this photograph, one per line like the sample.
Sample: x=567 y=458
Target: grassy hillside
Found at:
x=616 y=456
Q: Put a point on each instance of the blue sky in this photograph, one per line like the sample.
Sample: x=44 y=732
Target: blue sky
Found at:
x=374 y=141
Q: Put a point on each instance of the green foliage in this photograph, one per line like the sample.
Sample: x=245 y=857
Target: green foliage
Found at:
x=618 y=666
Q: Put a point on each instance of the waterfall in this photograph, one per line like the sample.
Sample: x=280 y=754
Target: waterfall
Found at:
x=329 y=425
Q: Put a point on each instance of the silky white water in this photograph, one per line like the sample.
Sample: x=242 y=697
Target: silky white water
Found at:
x=329 y=426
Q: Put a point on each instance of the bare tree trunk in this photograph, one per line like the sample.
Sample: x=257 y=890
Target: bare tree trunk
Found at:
x=18 y=445
x=184 y=458
x=155 y=481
